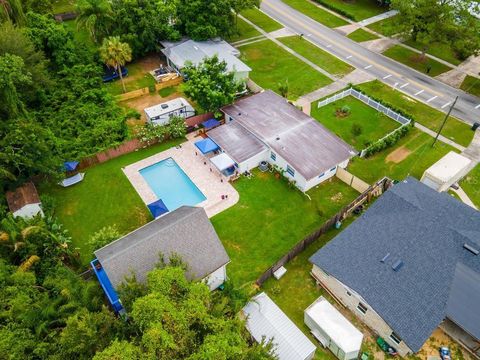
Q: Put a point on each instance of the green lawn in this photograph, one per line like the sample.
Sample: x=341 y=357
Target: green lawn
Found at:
x=386 y=27
x=412 y=155
x=412 y=59
x=471 y=85
x=356 y=10
x=361 y=35
x=243 y=31
x=441 y=51
x=471 y=185
x=261 y=20
x=423 y=114
x=270 y=218
x=105 y=197
x=61 y=6
x=271 y=66
x=316 y=55
x=136 y=79
x=374 y=125
x=81 y=35
x=316 y=13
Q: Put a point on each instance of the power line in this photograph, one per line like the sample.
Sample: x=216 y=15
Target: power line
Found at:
x=444 y=121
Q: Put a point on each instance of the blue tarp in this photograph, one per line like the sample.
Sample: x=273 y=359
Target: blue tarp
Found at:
x=157 y=208
x=211 y=123
x=106 y=286
x=206 y=145
x=70 y=165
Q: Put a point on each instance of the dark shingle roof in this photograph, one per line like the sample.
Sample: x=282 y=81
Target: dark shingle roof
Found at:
x=424 y=229
x=186 y=231
x=23 y=195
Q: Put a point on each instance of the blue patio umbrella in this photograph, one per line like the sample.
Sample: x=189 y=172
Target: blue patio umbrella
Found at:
x=70 y=165
x=157 y=208
x=206 y=145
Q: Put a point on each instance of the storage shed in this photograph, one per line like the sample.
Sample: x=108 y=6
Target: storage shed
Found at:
x=266 y=321
x=24 y=201
x=333 y=330
x=446 y=171
x=160 y=114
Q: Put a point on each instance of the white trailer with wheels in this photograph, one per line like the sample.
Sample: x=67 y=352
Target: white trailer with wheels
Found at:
x=333 y=330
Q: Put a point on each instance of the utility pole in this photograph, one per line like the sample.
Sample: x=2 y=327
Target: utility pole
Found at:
x=444 y=121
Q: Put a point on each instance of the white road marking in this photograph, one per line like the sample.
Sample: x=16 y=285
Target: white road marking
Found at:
x=419 y=92
x=309 y=35
x=329 y=45
x=395 y=85
x=445 y=105
x=349 y=56
x=478 y=106
x=432 y=98
x=404 y=85
x=368 y=67
x=387 y=76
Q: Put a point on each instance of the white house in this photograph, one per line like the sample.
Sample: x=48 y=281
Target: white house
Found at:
x=24 y=201
x=161 y=114
x=265 y=127
x=446 y=171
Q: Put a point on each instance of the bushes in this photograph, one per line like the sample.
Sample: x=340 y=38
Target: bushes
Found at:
x=387 y=141
x=337 y=10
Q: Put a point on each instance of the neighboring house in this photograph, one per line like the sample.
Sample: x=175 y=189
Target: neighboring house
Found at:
x=265 y=127
x=446 y=171
x=180 y=53
x=409 y=264
x=267 y=322
x=24 y=201
x=186 y=232
x=162 y=113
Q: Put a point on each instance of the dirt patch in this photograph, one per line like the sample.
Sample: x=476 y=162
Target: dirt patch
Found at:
x=148 y=100
x=337 y=197
x=143 y=66
x=398 y=155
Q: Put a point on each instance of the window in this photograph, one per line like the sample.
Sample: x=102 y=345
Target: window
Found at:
x=319 y=176
x=273 y=156
x=333 y=168
x=290 y=170
x=395 y=338
x=362 y=308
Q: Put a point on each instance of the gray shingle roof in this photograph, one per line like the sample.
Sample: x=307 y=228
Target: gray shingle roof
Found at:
x=424 y=229
x=186 y=231
x=303 y=142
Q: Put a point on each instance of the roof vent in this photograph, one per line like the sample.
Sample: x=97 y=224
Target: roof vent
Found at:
x=164 y=106
x=385 y=258
x=471 y=249
x=397 y=265
x=239 y=113
x=278 y=138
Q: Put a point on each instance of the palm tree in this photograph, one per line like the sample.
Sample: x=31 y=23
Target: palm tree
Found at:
x=115 y=54
x=11 y=10
x=94 y=15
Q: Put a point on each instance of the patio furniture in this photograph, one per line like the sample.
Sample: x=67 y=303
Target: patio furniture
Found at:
x=75 y=179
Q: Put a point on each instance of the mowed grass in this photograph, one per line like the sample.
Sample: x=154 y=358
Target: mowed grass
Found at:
x=412 y=155
x=454 y=129
x=243 y=31
x=386 y=27
x=374 y=125
x=356 y=10
x=316 y=55
x=471 y=85
x=361 y=35
x=270 y=218
x=261 y=20
x=316 y=13
x=471 y=185
x=442 y=51
x=136 y=79
x=413 y=60
x=272 y=66
x=105 y=197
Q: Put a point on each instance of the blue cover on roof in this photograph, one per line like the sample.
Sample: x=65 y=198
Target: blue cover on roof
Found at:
x=157 y=208
x=210 y=123
x=107 y=287
x=206 y=145
x=70 y=165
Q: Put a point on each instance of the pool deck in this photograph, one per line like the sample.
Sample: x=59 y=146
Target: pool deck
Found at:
x=205 y=176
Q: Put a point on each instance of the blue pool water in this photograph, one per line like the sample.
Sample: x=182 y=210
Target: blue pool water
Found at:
x=168 y=181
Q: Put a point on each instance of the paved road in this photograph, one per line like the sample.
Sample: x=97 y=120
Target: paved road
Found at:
x=403 y=78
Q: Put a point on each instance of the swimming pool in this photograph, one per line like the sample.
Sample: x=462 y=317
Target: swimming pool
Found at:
x=168 y=181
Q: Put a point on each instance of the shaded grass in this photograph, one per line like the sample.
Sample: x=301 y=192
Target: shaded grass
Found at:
x=271 y=66
x=142 y=79
x=374 y=124
x=61 y=6
x=316 y=55
x=80 y=34
x=386 y=27
x=471 y=85
x=168 y=91
x=454 y=129
x=316 y=13
x=362 y=35
x=471 y=185
x=356 y=10
x=441 y=51
x=243 y=31
x=412 y=59
x=261 y=20
x=270 y=218
x=105 y=197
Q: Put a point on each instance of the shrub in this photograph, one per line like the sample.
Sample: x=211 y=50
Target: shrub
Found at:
x=103 y=237
x=388 y=141
x=356 y=130
x=346 y=109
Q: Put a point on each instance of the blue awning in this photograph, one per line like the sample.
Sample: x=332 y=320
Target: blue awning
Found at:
x=206 y=145
x=157 y=208
x=70 y=165
x=106 y=286
x=211 y=123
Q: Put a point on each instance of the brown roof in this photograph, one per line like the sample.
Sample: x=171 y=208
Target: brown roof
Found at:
x=24 y=195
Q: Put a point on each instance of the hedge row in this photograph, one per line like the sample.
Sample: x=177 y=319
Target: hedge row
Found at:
x=337 y=10
x=388 y=141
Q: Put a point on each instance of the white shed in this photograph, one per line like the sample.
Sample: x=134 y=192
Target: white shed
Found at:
x=446 y=171
x=160 y=114
x=266 y=321
x=333 y=330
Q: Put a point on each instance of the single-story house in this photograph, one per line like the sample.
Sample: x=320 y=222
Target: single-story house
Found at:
x=180 y=53
x=446 y=171
x=24 y=201
x=267 y=322
x=265 y=127
x=161 y=114
x=408 y=265
x=186 y=232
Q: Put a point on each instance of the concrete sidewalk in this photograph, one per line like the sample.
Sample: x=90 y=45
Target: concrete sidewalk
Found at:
x=379 y=17
x=464 y=197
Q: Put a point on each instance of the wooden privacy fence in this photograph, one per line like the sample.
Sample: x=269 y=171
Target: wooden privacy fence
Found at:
x=198 y=119
x=171 y=82
x=133 y=94
x=351 y=180
x=373 y=191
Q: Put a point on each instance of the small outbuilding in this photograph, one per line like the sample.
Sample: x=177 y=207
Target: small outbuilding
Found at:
x=446 y=171
x=267 y=322
x=333 y=330
x=162 y=113
x=24 y=201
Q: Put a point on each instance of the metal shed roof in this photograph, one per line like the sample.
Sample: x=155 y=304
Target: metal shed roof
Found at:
x=448 y=167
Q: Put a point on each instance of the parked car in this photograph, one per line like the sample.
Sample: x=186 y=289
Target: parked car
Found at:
x=445 y=353
x=110 y=74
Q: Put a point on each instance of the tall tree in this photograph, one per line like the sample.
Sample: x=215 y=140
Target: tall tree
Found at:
x=12 y=10
x=95 y=16
x=116 y=54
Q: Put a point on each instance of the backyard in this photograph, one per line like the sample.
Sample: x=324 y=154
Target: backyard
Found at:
x=356 y=10
x=272 y=66
x=270 y=218
x=316 y=13
x=355 y=122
